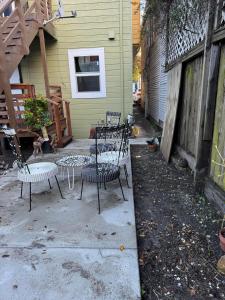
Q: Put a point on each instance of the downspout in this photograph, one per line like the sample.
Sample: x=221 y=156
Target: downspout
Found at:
x=121 y=59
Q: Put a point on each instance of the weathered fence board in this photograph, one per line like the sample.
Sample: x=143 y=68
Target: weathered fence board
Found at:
x=189 y=103
x=174 y=81
x=211 y=92
x=219 y=127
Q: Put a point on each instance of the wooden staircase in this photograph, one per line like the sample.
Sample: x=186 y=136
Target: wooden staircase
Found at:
x=17 y=31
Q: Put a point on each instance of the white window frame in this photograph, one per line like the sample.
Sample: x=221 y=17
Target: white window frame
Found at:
x=72 y=53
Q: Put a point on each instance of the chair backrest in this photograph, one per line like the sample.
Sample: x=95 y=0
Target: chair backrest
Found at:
x=109 y=139
x=125 y=141
x=113 y=118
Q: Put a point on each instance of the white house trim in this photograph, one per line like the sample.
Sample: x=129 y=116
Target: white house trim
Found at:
x=73 y=75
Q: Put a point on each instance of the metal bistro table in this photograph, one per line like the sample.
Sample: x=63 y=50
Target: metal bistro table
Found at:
x=70 y=163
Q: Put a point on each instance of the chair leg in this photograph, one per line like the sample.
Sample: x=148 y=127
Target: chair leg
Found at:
x=21 y=190
x=126 y=175
x=81 y=191
x=99 y=208
x=121 y=189
x=49 y=184
x=30 y=197
x=105 y=185
x=59 y=187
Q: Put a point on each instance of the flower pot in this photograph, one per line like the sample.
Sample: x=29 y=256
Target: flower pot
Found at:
x=46 y=147
x=221 y=265
x=152 y=147
x=222 y=238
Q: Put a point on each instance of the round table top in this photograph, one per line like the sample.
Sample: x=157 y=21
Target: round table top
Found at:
x=74 y=161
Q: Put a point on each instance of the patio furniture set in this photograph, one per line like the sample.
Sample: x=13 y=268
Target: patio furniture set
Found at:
x=103 y=165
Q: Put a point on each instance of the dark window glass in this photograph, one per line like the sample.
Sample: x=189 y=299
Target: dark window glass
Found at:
x=87 y=64
x=88 y=84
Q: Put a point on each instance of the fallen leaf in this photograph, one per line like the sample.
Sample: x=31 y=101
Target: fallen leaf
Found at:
x=122 y=247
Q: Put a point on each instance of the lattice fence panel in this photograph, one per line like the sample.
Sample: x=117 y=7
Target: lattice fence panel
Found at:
x=187 y=27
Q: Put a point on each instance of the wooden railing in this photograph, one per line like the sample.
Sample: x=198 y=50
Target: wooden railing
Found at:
x=61 y=109
x=61 y=125
x=18 y=27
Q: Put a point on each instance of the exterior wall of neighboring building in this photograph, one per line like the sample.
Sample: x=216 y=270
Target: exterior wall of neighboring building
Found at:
x=154 y=76
x=136 y=22
x=96 y=22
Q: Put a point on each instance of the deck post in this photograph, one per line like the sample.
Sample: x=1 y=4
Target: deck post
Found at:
x=44 y=66
x=68 y=119
x=58 y=125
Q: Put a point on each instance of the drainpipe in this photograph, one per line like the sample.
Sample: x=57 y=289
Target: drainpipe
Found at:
x=121 y=59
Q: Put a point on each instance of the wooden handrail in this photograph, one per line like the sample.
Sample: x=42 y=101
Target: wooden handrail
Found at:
x=68 y=118
x=63 y=100
x=53 y=102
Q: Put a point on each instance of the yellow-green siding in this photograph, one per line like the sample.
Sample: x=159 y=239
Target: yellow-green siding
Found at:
x=90 y=29
x=219 y=127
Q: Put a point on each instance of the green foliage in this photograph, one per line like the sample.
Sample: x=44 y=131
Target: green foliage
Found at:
x=137 y=68
x=182 y=14
x=36 y=113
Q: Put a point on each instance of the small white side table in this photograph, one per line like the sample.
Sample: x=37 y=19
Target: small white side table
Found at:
x=68 y=164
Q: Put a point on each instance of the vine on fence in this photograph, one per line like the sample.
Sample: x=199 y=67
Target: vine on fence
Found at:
x=182 y=23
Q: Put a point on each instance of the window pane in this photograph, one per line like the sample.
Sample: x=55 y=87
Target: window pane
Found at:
x=88 y=84
x=87 y=64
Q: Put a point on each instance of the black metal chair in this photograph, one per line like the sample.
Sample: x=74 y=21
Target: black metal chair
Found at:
x=113 y=118
x=30 y=173
x=102 y=173
x=120 y=158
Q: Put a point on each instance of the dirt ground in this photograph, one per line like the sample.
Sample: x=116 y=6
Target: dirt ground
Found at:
x=177 y=232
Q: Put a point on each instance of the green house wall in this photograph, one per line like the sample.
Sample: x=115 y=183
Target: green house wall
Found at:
x=90 y=29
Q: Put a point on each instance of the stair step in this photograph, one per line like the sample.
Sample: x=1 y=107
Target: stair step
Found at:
x=5 y=33
x=13 y=44
x=16 y=37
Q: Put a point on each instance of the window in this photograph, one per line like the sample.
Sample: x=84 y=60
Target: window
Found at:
x=87 y=73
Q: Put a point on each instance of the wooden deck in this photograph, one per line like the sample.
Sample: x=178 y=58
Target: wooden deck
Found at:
x=61 y=123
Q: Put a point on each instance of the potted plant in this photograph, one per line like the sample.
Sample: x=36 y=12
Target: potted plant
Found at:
x=152 y=145
x=37 y=117
x=222 y=235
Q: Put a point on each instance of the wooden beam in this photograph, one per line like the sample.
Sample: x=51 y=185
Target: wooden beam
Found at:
x=68 y=118
x=174 y=83
x=219 y=35
x=44 y=61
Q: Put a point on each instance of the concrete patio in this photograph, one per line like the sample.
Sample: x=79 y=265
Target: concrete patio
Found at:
x=63 y=249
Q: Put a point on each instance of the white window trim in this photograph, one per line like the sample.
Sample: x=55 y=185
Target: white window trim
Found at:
x=87 y=52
